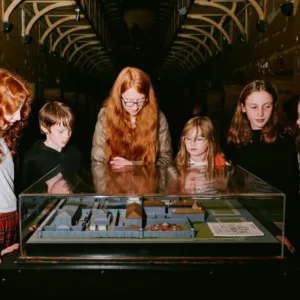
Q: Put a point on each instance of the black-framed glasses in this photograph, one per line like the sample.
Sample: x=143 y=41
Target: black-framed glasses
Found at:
x=197 y=140
x=139 y=102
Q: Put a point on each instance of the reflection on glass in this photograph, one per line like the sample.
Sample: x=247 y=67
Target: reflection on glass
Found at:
x=134 y=180
x=141 y=180
x=56 y=181
x=196 y=180
x=58 y=185
x=241 y=181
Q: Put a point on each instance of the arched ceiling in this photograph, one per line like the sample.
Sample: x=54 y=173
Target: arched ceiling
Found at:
x=70 y=29
x=207 y=29
x=165 y=37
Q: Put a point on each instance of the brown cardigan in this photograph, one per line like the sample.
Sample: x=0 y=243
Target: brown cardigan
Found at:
x=164 y=141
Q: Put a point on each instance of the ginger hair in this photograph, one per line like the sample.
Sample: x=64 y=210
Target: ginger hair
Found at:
x=131 y=180
x=14 y=93
x=140 y=143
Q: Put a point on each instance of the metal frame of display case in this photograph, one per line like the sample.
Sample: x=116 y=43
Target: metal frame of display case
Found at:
x=226 y=205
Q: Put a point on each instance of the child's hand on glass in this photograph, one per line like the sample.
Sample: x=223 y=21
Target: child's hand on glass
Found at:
x=221 y=177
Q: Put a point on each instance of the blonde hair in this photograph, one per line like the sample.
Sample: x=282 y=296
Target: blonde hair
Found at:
x=205 y=126
x=121 y=140
x=55 y=112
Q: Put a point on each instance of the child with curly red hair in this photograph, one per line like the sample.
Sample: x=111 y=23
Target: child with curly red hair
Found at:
x=15 y=100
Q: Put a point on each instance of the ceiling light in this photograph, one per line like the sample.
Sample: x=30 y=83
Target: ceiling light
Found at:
x=77 y=10
x=262 y=26
x=7 y=27
x=27 y=39
x=182 y=11
x=243 y=38
x=287 y=8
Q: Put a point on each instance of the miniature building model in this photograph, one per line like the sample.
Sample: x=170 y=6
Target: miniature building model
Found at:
x=134 y=214
x=67 y=215
x=193 y=211
x=154 y=208
x=123 y=219
x=186 y=203
x=134 y=200
x=99 y=220
x=63 y=228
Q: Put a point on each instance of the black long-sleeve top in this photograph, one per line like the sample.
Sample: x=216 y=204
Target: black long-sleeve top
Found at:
x=275 y=163
x=40 y=159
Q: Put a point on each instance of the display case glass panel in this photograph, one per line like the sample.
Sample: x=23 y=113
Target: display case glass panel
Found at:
x=149 y=212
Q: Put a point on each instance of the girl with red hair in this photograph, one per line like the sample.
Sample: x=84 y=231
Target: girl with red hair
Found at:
x=15 y=99
x=131 y=130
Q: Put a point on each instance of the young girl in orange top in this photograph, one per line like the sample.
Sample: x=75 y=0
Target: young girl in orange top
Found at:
x=200 y=162
x=198 y=146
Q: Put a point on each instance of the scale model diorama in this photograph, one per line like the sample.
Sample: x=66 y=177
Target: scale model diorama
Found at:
x=88 y=218
x=76 y=217
x=151 y=222
x=138 y=225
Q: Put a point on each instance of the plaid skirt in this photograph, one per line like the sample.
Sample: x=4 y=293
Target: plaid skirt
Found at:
x=8 y=228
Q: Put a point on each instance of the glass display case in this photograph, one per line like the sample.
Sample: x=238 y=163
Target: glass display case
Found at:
x=148 y=213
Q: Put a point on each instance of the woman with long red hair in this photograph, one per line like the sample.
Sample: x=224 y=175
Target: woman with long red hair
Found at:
x=15 y=100
x=131 y=130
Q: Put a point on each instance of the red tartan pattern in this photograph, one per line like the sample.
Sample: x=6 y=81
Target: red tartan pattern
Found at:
x=8 y=228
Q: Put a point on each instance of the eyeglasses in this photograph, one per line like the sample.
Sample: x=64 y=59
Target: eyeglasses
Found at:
x=197 y=140
x=129 y=102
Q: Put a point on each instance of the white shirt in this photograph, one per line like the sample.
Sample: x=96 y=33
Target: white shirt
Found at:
x=8 y=200
x=197 y=163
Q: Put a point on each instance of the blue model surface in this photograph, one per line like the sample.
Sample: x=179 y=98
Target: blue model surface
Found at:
x=77 y=217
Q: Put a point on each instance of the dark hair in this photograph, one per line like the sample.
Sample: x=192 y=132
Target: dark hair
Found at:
x=290 y=108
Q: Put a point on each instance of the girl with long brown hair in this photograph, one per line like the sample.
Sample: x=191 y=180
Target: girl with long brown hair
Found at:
x=260 y=142
x=15 y=100
x=131 y=130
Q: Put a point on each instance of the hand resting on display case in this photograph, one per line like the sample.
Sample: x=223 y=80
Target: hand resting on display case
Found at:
x=58 y=185
x=196 y=179
x=8 y=250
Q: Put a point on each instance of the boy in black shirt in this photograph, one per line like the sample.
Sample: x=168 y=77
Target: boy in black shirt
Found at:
x=56 y=121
